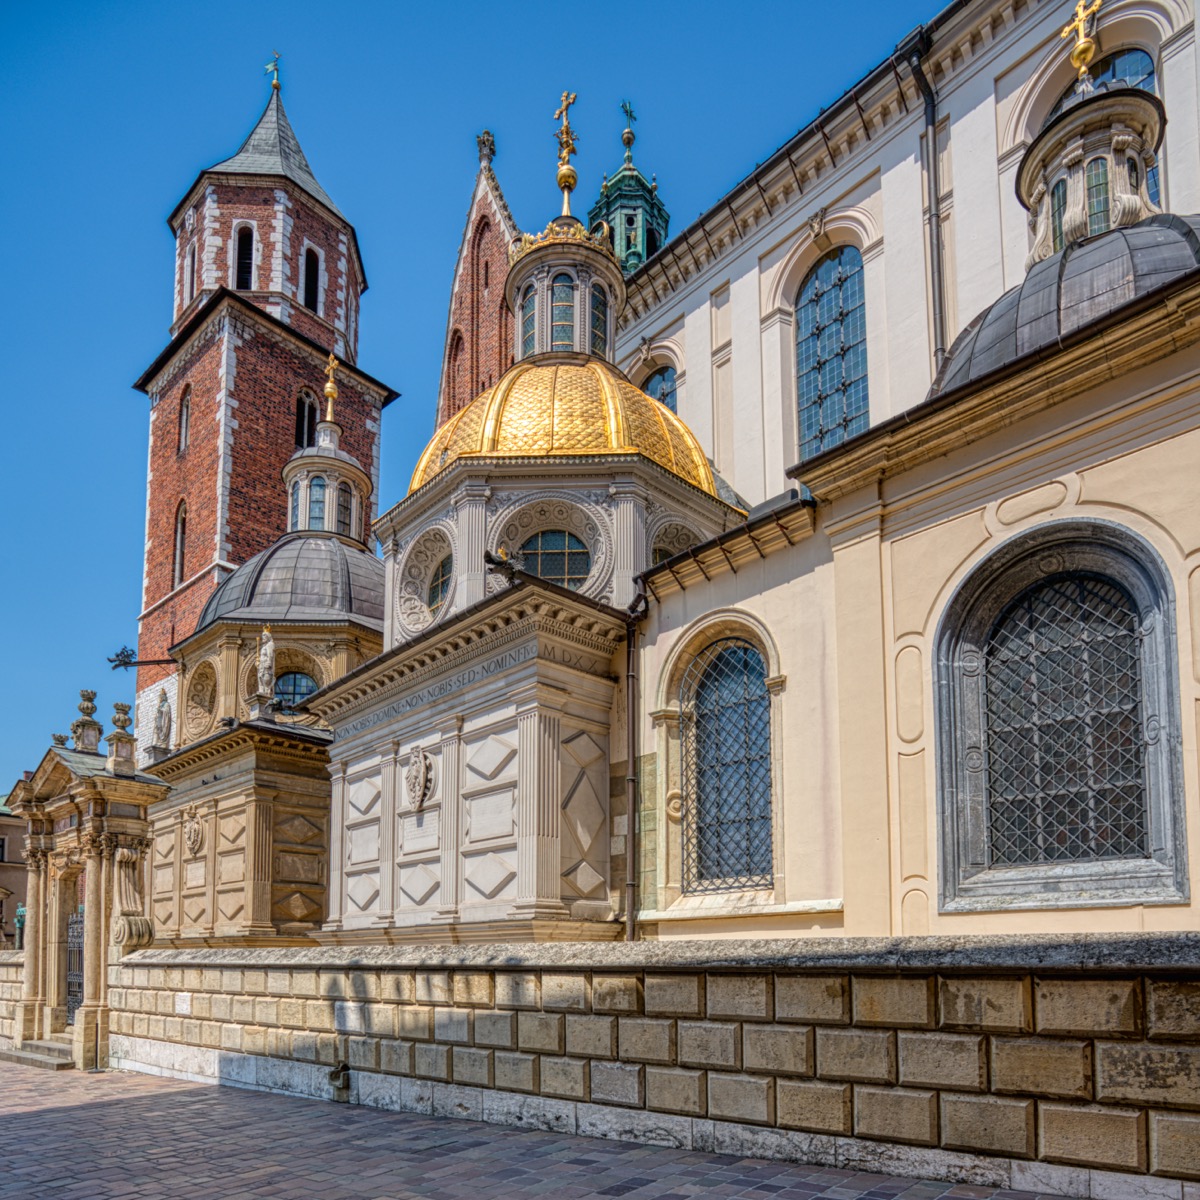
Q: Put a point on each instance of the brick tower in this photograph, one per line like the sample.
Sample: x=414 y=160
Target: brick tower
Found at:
x=268 y=280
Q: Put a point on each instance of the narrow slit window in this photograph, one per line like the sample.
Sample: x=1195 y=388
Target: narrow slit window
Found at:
x=528 y=322
x=1058 y=206
x=295 y=521
x=599 y=320
x=245 y=259
x=185 y=418
x=345 y=508
x=312 y=279
x=316 y=503
x=180 y=573
x=1096 y=179
x=562 y=313
x=306 y=420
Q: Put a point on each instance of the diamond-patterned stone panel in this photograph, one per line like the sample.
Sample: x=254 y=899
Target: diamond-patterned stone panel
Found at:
x=489 y=874
x=491 y=757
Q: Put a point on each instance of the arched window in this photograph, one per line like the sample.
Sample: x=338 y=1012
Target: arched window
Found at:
x=455 y=384
x=725 y=732
x=185 y=418
x=439 y=584
x=1096 y=180
x=312 y=278
x=179 y=573
x=292 y=689
x=1133 y=67
x=562 y=313
x=599 y=320
x=831 y=352
x=651 y=243
x=1058 y=205
x=558 y=557
x=306 y=420
x=1055 y=672
x=295 y=521
x=528 y=322
x=661 y=386
x=345 y=508
x=245 y=259
x=316 y=502
x=486 y=274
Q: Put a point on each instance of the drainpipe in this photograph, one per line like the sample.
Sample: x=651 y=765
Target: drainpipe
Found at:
x=636 y=611
x=913 y=48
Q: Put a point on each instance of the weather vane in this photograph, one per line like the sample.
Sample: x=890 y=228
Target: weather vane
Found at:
x=630 y=116
x=566 y=147
x=272 y=68
x=1083 y=26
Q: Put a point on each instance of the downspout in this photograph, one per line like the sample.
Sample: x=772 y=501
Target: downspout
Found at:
x=637 y=610
x=913 y=50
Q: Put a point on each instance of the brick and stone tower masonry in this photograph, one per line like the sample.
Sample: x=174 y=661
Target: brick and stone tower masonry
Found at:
x=268 y=280
x=479 y=333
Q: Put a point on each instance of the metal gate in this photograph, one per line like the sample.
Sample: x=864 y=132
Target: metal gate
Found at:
x=74 y=964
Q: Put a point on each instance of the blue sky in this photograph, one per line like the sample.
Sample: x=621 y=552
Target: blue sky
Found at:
x=108 y=112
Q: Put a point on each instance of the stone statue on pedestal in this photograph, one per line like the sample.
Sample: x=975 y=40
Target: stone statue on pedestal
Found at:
x=266 y=664
x=162 y=720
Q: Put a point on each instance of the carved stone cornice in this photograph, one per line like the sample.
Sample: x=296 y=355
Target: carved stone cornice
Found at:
x=282 y=742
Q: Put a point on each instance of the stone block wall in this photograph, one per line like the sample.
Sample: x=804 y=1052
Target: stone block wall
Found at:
x=11 y=964
x=1061 y=1068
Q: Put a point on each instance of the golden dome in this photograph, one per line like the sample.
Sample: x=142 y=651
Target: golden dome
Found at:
x=546 y=408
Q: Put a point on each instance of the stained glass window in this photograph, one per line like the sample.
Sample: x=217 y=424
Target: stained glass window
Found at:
x=439 y=585
x=831 y=352
x=1096 y=180
x=558 y=557
x=661 y=386
x=599 y=320
x=528 y=322
x=725 y=730
x=292 y=689
x=562 y=313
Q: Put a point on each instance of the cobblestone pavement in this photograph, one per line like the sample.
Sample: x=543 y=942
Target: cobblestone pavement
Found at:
x=96 y=1137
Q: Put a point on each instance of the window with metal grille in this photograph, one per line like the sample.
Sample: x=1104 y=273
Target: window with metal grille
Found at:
x=557 y=556
x=599 y=320
x=345 y=508
x=245 y=259
x=316 y=502
x=439 y=585
x=292 y=689
x=1063 y=735
x=831 y=352
x=725 y=735
x=1058 y=205
x=312 y=279
x=661 y=387
x=1096 y=181
x=562 y=313
x=528 y=322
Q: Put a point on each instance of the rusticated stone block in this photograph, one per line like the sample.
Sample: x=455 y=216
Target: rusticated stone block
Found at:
x=498 y=1029
x=1089 y=1135
x=453 y=1024
x=992 y=1005
x=749 y=1099
x=398 y=986
x=646 y=1040
x=291 y=1012
x=473 y=989
x=1173 y=1010
x=266 y=1012
x=816 y=1107
x=362 y=1053
x=380 y=1020
x=414 y=1022
x=518 y=989
x=896 y=1003
x=710 y=1044
x=396 y=1057
x=1175 y=1145
x=896 y=1115
x=1148 y=1073
x=542 y=1032
x=433 y=987
x=861 y=1055
x=516 y=1072
x=777 y=1049
x=815 y=999
x=566 y=1078
x=565 y=993
x=618 y=1083
x=1088 y=1006
x=616 y=994
x=431 y=1061
x=740 y=998
x=1042 y=1067
x=362 y=985
x=304 y=983
x=472 y=1066
x=318 y=1014
x=988 y=1124
x=591 y=1037
x=943 y=1060
x=674 y=995
x=676 y=1090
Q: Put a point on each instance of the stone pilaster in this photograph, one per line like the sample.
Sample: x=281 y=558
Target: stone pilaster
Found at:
x=337 y=824
x=29 y=1011
x=629 y=524
x=258 y=865
x=90 y=1029
x=472 y=541
x=539 y=888
x=388 y=816
x=450 y=765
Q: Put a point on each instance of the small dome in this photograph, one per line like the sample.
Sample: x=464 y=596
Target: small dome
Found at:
x=566 y=404
x=1069 y=291
x=303 y=577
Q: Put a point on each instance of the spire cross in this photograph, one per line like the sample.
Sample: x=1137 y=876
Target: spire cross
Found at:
x=272 y=68
x=630 y=116
x=565 y=134
x=331 y=387
x=1080 y=25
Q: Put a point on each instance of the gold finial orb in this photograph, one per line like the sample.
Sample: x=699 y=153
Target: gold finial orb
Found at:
x=1082 y=25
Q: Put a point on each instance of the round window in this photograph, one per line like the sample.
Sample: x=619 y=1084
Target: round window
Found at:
x=439 y=584
x=292 y=689
x=557 y=557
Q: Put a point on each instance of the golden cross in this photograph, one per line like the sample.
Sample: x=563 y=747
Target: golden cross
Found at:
x=1083 y=13
x=331 y=369
x=568 y=98
x=1085 y=46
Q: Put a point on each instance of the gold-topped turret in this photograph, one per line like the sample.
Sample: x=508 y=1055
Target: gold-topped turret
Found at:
x=331 y=391
x=1083 y=26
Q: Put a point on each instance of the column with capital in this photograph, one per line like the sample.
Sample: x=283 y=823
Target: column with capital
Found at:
x=29 y=1010
x=91 y=1021
x=539 y=844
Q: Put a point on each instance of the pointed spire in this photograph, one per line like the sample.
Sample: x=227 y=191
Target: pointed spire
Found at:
x=273 y=149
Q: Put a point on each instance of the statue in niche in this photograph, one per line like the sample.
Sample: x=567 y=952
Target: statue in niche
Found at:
x=162 y=720
x=266 y=663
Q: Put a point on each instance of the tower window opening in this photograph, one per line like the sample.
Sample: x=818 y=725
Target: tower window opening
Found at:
x=295 y=514
x=245 y=259
x=528 y=322
x=485 y=274
x=661 y=387
x=316 y=503
x=562 y=313
x=599 y=320
x=1096 y=178
x=189 y=275
x=345 y=508
x=651 y=243
x=306 y=420
x=185 y=418
x=312 y=279
x=1058 y=206
x=180 y=571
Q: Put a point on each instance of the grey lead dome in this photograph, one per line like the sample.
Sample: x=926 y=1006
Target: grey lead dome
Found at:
x=1065 y=293
x=305 y=577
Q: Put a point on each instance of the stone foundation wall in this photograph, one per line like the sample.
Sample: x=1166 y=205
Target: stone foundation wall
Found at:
x=1069 y=1067
x=11 y=964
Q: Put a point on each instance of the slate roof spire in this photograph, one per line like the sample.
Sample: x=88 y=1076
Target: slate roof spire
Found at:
x=273 y=149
